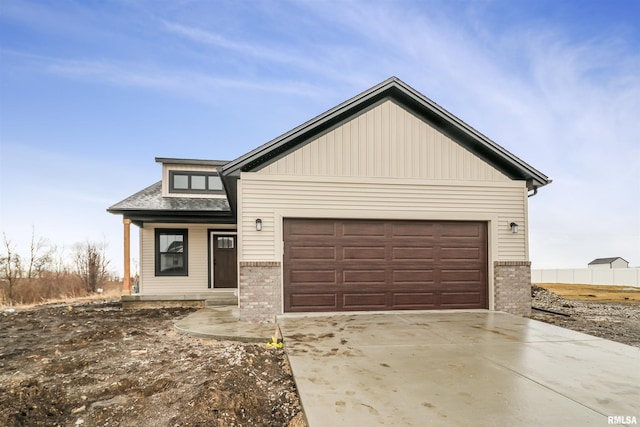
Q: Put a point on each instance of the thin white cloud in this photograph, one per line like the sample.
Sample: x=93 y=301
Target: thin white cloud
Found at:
x=202 y=86
x=210 y=38
x=326 y=62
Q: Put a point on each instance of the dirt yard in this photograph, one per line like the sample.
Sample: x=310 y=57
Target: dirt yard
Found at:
x=92 y=364
x=610 y=312
x=593 y=293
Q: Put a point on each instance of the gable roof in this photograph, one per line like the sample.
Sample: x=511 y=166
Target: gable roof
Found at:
x=395 y=89
x=606 y=260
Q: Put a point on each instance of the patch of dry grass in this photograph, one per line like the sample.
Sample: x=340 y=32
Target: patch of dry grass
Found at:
x=596 y=293
x=111 y=291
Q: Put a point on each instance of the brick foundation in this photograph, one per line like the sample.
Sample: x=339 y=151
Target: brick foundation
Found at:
x=513 y=287
x=260 y=296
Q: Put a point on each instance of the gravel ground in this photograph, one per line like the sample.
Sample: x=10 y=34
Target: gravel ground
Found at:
x=613 y=321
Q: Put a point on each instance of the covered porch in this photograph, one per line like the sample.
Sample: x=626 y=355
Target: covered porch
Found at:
x=187 y=246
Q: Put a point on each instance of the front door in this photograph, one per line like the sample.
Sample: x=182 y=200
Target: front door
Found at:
x=225 y=267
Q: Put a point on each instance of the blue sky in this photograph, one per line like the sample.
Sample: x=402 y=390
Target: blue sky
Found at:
x=92 y=91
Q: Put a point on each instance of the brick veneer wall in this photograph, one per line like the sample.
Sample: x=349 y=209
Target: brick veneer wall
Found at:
x=259 y=295
x=513 y=287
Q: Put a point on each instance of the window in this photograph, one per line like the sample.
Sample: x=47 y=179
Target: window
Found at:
x=171 y=252
x=225 y=242
x=198 y=182
x=214 y=183
x=195 y=182
x=181 y=182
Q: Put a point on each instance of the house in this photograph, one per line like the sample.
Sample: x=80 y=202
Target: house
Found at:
x=607 y=263
x=385 y=202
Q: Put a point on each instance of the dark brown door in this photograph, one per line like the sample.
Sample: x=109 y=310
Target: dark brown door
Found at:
x=344 y=265
x=225 y=266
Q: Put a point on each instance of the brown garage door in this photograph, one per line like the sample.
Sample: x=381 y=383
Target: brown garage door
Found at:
x=344 y=265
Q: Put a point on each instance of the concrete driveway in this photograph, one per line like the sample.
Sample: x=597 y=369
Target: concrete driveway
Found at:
x=456 y=369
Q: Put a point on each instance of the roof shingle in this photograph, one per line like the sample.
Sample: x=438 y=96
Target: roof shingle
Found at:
x=151 y=199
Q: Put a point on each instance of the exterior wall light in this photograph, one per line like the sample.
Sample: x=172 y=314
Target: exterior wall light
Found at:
x=258 y=224
x=514 y=227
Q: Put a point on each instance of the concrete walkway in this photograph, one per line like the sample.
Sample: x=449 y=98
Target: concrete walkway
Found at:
x=456 y=369
x=222 y=323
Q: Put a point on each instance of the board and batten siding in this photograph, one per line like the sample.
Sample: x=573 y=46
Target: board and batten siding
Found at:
x=386 y=141
x=195 y=282
x=272 y=198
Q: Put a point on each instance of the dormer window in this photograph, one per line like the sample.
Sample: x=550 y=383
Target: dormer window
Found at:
x=195 y=182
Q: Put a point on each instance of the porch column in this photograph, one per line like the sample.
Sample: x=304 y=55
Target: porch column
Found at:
x=126 y=282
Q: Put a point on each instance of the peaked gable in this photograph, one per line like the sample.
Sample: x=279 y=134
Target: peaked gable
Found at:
x=392 y=88
x=404 y=95
x=387 y=141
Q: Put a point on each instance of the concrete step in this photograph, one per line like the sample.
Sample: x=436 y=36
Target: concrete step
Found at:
x=208 y=299
x=221 y=299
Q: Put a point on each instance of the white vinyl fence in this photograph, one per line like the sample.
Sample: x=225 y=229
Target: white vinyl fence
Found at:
x=589 y=276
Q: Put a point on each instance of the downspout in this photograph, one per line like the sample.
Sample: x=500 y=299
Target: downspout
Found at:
x=535 y=191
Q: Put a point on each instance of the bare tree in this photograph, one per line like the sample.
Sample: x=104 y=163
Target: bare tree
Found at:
x=91 y=264
x=58 y=266
x=11 y=267
x=39 y=256
x=56 y=276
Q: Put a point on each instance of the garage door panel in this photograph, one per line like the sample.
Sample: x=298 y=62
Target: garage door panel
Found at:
x=461 y=229
x=458 y=276
x=412 y=300
x=412 y=253
x=306 y=277
x=460 y=299
x=312 y=253
x=420 y=277
x=363 y=277
x=364 y=301
x=363 y=229
x=412 y=229
x=364 y=253
x=311 y=228
x=384 y=265
x=463 y=254
x=313 y=302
